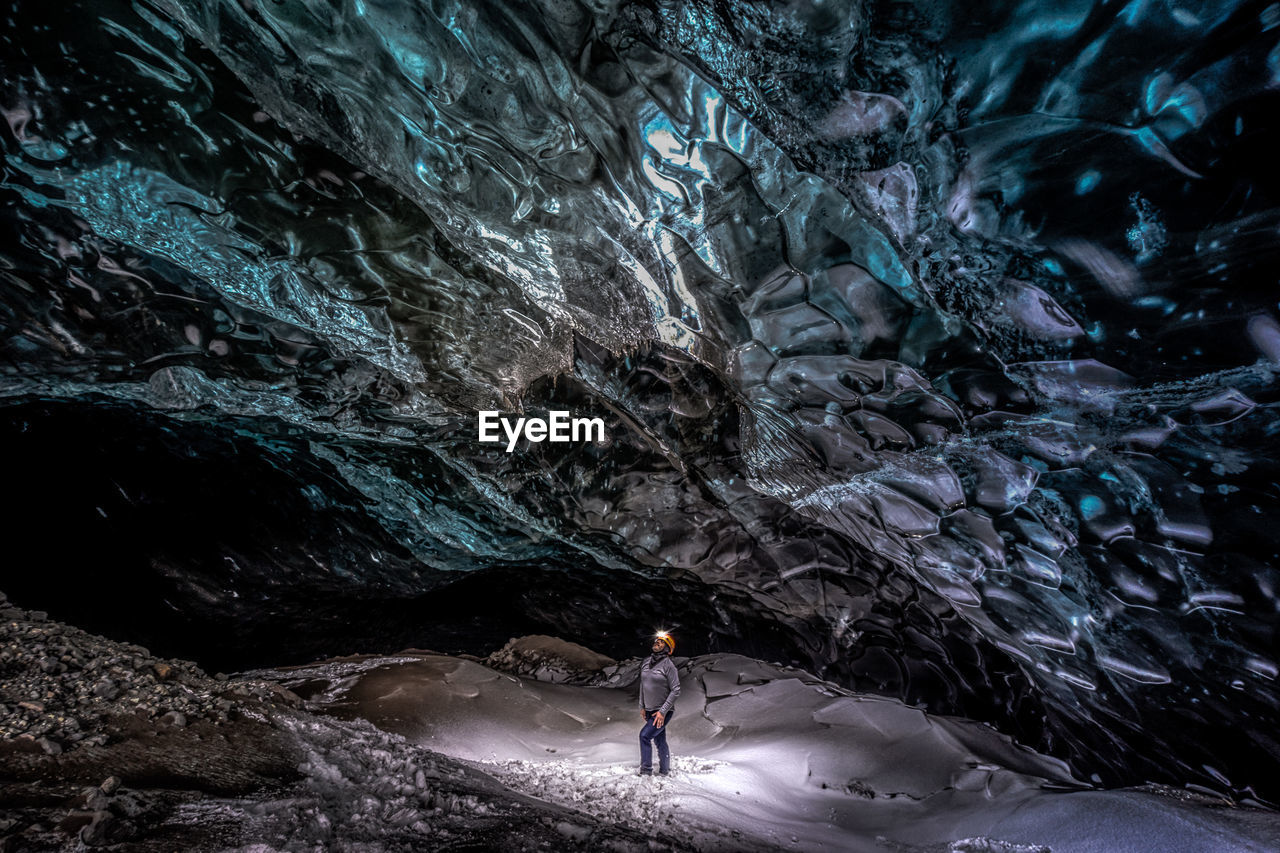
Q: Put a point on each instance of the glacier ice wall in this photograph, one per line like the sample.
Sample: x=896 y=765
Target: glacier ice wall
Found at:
x=943 y=337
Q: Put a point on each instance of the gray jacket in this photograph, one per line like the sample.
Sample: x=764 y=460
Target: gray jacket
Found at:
x=659 y=685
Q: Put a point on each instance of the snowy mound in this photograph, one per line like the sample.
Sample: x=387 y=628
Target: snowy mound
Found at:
x=549 y=659
x=766 y=757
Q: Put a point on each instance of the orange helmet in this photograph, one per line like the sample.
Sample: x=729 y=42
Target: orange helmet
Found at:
x=667 y=640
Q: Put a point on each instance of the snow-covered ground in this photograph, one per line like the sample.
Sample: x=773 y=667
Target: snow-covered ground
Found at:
x=532 y=749
x=764 y=757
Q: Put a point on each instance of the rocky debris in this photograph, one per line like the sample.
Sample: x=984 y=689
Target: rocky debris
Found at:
x=61 y=687
x=549 y=659
x=97 y=811
x=78 y=709
x=55 y=816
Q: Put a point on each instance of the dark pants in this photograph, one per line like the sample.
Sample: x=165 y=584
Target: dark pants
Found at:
x=650 y=735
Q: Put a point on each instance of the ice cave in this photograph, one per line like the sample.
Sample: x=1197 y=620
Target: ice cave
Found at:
x=640 y=425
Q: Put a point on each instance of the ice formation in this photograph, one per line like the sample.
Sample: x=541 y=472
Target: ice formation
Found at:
x=936 y=343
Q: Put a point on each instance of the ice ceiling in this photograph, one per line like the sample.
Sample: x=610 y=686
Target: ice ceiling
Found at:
x=937 y=344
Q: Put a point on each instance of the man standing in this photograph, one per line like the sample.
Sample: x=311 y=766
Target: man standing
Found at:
x=659 y=687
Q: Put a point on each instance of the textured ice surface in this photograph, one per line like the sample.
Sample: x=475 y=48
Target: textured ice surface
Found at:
x=944 y=337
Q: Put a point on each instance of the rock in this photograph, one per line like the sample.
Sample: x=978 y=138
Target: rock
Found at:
x=549 y=659
x=50 y=747
x=129 y=804
x=110 y=785
x=95 y=833
x=106 y=689
x=163 y=671
x=93 y=799
x=175 y=719
x=285 y=695
x=32 y=705
x=76 y=820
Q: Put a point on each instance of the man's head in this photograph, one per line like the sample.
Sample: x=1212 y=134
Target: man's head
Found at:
x=662 y=642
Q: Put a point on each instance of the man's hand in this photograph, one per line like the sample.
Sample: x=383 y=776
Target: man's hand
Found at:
x=658 y=720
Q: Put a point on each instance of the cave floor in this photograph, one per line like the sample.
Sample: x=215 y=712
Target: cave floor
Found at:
x=107 y=746
x=766 y=757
